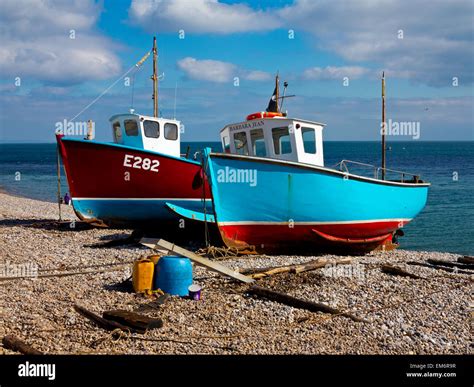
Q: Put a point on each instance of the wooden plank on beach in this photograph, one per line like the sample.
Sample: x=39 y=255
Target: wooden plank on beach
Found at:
x=132 y=319
x=295 y=269
x=395 y=270
x=104 y=323
x=444 y=268
x=298 y=303
x=153 y=243
x=466 y=259
x=443 y=262
x=15 y=344
x=66 y=274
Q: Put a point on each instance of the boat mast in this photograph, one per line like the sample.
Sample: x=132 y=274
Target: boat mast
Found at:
x=154 y=77
x=384 y=126
x=277 y=94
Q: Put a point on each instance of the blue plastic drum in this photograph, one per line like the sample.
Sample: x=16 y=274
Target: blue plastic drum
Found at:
x=173 y=275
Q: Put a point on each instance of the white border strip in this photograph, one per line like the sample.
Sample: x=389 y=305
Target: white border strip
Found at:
x=263 y=223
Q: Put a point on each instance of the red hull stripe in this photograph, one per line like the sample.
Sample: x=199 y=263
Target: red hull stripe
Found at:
x=257 y=234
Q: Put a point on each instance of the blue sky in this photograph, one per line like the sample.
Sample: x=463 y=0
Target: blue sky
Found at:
x=425 y=47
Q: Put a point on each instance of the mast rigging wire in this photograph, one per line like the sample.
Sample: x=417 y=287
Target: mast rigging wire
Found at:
x=136 y=65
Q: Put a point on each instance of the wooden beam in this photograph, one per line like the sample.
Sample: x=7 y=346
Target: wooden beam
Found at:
x=395 y=270
x=298 y=303
x=102 y=322
x=466 y=259
x=208 y=264
x=444 y=268
x=295 y=269
x=133 y=320
x=15 y=344
x=443 y=262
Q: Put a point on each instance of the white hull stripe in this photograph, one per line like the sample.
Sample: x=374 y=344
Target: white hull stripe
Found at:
x=264 y=223
x=141 y=199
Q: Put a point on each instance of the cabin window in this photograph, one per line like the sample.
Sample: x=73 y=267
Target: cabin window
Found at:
x=309 y=139
x=171 y=131
x=240 y=143
x=281 y=140
x=258 y=142
x=151 y=128
x=131 y=127
x=117 y=131
x=226 y=144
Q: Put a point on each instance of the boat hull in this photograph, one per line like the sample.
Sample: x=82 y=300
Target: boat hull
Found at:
x=293 y=206
x=108 y=184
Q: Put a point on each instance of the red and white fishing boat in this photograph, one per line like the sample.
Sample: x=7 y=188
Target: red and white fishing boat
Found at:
x=140 y=179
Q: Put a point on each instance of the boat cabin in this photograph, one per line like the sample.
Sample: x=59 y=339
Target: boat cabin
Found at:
x=148 y=133
x=273 y=135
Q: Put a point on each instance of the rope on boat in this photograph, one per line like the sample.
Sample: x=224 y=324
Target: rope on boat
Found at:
x=136 y=65
x=220 y=252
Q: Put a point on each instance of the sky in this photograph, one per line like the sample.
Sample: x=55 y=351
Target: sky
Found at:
x=220 y=58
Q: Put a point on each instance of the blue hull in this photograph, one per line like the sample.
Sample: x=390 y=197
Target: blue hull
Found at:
x=268 y=202
x=140 y=212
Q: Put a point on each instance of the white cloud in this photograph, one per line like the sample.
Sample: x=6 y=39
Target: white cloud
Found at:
x=437 y=36
x=218 y=71
x=331 y=72
x=257 y=75
x=207 y=70
x=200 y=16
x=36 y=42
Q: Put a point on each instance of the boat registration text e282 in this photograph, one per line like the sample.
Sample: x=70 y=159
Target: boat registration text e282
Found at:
x=138 y=162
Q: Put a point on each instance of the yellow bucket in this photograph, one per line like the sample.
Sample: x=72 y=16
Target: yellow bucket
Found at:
x=142 y=276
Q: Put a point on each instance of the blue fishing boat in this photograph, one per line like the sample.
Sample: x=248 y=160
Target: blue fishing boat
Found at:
x=272 y=192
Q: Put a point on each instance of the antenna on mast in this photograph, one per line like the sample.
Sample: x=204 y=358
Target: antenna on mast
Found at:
x=175 y=92
x=154 y=77
x=277 y=88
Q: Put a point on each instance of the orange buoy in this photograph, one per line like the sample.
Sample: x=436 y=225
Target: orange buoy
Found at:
x=257 y=115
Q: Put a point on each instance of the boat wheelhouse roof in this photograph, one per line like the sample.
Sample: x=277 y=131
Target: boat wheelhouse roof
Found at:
x=277 y=118
x=156 y=134
x=275 y=136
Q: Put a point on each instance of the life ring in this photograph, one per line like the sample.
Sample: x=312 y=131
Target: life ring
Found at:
x=254 y=116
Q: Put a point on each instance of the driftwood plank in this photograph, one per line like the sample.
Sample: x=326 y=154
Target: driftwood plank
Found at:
x=210 y=265
x=64 y=274
x=298 y=303
x=133 y=320
x=295 y=269
x=466 y=259
x=443 y=262
x=102 y=322
x=395 y=270
x=15 y=344
x=444 y=268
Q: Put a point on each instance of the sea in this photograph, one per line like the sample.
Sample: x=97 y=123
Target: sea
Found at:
x=446 y=224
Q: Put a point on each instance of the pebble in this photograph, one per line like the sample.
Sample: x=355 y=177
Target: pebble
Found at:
x=406 y=316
